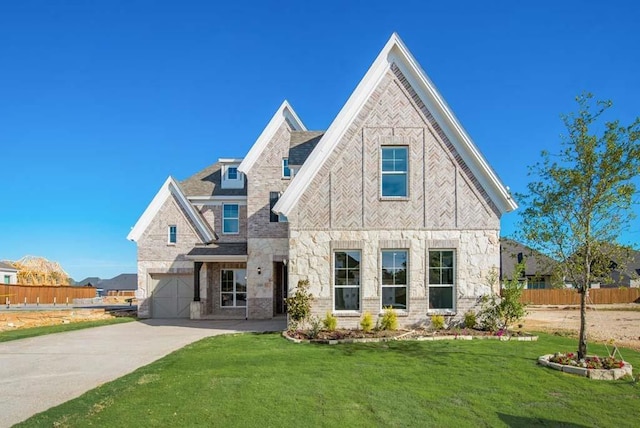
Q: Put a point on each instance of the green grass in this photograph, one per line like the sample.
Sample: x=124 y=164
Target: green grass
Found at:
x=263 y=380
x=23 y=333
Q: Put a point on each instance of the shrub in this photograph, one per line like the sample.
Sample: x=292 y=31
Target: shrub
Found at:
x=367 y=322
x=498 y=313
x=389 y=319
x=315 y=325
x=299 y=305
x=470 y=319
x=437 y=322
x=330 y=322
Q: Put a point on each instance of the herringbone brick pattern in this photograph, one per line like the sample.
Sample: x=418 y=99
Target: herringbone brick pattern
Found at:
x=443 y=194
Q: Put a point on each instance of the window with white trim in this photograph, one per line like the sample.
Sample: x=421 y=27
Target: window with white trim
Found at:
x=233 y=288
x=232 y=173
x=394 y=171
x=273 y=217
x=346 y=277
x=7 y=279
x=441 y=279
x=395 y=264
x=286 y=171
x=172 y=232
x=230 y=218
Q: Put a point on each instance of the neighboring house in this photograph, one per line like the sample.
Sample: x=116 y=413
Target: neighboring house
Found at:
x=122 y=282
x=539 y=269
x=625 y=273
x=393 y=205
x=8 y=274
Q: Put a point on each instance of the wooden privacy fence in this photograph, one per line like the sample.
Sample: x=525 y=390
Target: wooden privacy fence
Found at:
x=597 y=296
x=125 y=293
x=45 y=294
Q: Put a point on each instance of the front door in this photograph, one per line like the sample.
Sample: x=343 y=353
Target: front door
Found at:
x=280 y=286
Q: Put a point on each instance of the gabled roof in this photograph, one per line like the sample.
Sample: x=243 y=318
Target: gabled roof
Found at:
x=284 y=114
x=535 y=262
x=396 y=52
x=208 y=182
x=7 y=267
x=301 y=144
x=171 y=187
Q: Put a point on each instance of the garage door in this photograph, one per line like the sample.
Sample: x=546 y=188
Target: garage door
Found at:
x=172 y=296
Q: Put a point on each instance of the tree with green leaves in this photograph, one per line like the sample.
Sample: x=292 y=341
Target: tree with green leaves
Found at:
x=581 y=199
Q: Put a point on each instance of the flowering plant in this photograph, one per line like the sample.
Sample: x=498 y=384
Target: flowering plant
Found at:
x=592 y=362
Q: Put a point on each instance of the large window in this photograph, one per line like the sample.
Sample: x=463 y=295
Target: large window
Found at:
x=286 y=171
x=394 y=278
x=441 y=279
x=233 y=288
x=173 y=234
x=273 y=217
x=394 y=171
x=346 y=280
x=230 y=218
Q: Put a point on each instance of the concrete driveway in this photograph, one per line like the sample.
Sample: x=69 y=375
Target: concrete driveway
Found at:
x=42 y=372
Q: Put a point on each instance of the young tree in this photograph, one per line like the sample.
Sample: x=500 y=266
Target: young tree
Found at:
x=581 y=199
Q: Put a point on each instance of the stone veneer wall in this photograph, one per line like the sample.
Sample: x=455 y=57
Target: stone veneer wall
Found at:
x=263 y=252
x=477 y=253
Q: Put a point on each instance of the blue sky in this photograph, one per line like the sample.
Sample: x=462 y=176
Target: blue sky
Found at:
x=100 y=101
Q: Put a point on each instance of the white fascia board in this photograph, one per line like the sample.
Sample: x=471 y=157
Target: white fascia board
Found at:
x=284 y=112
x=204 y=231
x=150 y=212
x=230 y=160
x=334 y=134
x=452 y=127
x=395 y=51
x=170 y=187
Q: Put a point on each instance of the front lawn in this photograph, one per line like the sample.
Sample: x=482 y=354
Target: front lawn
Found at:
x=23 y=333
x=263 y=380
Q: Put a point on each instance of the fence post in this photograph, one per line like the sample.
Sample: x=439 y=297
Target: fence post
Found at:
x=38 y=301
x=8 y=302
x=54 y=300
x=67 y=301
x=25 y=301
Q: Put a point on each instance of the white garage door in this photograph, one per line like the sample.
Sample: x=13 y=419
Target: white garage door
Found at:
x=172 y=296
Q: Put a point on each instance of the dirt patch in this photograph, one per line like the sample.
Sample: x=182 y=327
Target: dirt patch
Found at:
x=620 y=323
x=24 y=319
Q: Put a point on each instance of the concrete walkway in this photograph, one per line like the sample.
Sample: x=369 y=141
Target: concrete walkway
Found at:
x=42 y=372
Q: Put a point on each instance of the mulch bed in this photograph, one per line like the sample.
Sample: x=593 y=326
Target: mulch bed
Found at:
x=351 y=335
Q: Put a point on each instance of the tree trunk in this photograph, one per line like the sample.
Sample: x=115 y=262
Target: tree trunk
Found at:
x=582 y=340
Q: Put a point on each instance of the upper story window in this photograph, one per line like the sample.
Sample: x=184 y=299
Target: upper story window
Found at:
x=230 y=218
x=394 y=171
x=273 y=217
x=232 y=173
x=286 y=171
x=172 y=234
x=231 y=177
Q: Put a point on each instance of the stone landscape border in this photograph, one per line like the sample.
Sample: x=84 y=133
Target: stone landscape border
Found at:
x=598 y=374
x=503 y=338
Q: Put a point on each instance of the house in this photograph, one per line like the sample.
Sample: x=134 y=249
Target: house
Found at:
x=540 y=270
x=8 y=274
x=625 y=270
x=393 y=205
x=122 y=282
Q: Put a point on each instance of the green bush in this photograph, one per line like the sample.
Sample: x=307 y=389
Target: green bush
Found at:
x=315 y=325
x=499 y=312
x=437 y=322
x=330 y=322
x=367 y=322
x=470 y=319
x=299 y=305
x=389 y=319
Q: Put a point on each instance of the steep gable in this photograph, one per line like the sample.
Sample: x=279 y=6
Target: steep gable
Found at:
x=172 y=190
x=395 y=103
